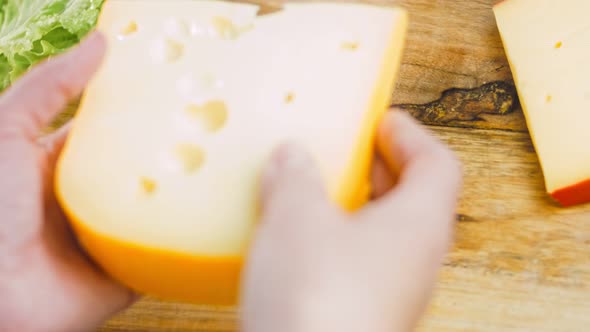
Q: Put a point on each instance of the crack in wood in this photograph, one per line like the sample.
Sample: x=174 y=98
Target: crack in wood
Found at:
x=464 y=218
x=499 y=68
x=466 y=105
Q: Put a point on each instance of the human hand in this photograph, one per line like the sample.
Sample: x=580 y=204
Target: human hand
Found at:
x=313 y=268
x=46 y=283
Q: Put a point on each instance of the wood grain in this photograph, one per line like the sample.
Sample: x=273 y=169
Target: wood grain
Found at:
x=453 y=44
x=450 y=44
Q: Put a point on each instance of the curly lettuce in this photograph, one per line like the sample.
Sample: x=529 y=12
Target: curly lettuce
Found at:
x=32 y=30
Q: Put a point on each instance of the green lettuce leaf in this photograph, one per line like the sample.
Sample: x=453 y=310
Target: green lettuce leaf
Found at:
x=32 y=30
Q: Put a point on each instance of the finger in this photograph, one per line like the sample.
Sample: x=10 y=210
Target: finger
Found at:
x=291 y=185
x=35 y=99
x=90 y=297
x=428 y=172
x=382 y=179
x=53 y=144
x=101 y=298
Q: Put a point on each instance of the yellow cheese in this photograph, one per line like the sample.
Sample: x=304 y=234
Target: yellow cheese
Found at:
x=548 y=46
x=160 y=175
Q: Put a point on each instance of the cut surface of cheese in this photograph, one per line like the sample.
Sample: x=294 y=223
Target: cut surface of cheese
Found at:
x=547 y=43
x=160 y=173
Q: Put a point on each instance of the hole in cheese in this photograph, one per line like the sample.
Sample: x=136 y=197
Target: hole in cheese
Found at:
x=167 y=50
x=350 y=46
x=190 y=156
x=129 y=29
x=225 y=28
x=212 y=115
x=290 y=97
x=148 y=186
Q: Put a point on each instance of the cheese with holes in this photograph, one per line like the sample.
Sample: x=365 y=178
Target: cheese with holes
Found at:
x=548 y=46
x=160 y=173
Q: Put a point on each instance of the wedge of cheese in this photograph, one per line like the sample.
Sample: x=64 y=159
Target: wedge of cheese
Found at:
x=548 y=46
x=160 y=174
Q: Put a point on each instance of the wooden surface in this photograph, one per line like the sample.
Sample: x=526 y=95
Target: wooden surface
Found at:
x=520 y=263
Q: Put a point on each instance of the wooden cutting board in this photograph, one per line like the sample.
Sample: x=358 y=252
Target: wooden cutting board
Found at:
x=520 y=263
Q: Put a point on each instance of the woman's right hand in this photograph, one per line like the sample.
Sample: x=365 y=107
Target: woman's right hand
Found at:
x=314 y=268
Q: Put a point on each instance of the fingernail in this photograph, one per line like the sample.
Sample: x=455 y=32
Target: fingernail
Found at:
x=398 y=137
x=404 y=128
x=286 y=157
x=90 y=43
x=402 y=119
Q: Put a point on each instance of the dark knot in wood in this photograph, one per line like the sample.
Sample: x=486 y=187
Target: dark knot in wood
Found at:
x=460 y=105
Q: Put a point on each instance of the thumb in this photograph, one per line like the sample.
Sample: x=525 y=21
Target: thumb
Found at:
x=291 y=184
x=427 y=170
x=33 y=100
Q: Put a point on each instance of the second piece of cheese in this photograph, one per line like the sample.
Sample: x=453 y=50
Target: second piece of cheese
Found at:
x=160 y=175
x=548 y=46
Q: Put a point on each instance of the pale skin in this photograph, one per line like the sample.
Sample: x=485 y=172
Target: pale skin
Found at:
x=311 y=266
